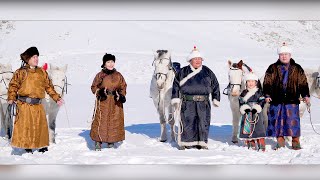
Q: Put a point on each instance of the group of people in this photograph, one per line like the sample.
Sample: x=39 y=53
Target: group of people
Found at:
x=284 y=83
x=193 y=85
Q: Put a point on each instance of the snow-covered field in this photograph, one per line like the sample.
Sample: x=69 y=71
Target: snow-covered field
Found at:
x=81 y=45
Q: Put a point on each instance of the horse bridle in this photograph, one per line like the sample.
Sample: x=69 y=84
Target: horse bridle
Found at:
x=2 y=79
x=65 y=86
x=4 y=82
x=231 y=85
x=318 y=81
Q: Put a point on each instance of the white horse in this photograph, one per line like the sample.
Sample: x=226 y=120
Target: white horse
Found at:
x=313 y=78
x=5 y=78
x=59 y=81
x=235 y=87
x=161 y=90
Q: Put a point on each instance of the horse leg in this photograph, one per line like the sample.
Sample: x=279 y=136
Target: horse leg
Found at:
x=2 y=119
x=52 y=127
x=171 y=122
x=163 y=135
x=235 y=126
x=7 y=122
x=52 y=123
x=234 y=104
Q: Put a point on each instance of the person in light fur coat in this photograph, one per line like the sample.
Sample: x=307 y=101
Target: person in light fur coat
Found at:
x=251 y=104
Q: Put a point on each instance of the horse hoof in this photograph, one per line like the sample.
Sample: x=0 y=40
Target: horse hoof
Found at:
x=234 y=142
x=161 y=140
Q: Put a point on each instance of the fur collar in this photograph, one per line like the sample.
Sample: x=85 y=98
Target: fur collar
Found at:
x=250 y=93
x=194 y=72
x=107 y=71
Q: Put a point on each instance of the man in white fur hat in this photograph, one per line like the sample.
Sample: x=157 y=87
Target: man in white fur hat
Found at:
x=283 y=85
x=191 y=90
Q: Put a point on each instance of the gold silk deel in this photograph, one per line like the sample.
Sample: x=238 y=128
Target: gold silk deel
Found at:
x=30 y=126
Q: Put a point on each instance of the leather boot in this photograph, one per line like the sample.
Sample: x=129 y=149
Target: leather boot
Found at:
x=280 y=142
x=296 y=143
x=98 y=146
x=261 y=145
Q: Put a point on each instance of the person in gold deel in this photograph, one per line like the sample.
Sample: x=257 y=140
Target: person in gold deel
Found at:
x=27 y=88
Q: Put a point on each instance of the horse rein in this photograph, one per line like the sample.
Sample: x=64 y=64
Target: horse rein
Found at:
x=2 y=79
x=318 y=82
x=231 y=85
x=5 y=84
x=65 y=86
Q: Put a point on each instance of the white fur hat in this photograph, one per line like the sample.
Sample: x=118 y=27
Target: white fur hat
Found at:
x=251 y=76
x=194 y=53
x=284 y=49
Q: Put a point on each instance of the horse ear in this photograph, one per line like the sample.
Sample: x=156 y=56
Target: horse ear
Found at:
x=315 y=74
x=229 y=63
x=240 y=63
x=169 y=53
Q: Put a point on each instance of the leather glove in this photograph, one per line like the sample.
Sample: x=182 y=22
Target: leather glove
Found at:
x=119 y=97
x=101 y=94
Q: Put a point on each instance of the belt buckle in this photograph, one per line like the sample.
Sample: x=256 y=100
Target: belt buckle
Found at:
x=28 y=100
x=197 y=98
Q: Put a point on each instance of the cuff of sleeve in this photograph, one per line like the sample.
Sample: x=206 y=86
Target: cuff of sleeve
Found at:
x=257 y=107
x=243 y=108
x=175 y=100
x=216 y=102
x=56 y=98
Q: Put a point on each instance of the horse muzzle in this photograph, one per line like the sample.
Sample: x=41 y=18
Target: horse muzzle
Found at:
x=235 y=93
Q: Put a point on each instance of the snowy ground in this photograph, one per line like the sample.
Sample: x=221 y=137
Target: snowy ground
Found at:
x=81 y=45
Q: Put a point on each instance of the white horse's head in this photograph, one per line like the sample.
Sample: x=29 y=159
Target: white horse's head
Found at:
x=163 y=64
x=236 y=74
x=318 y=79
x=58 y=78
x=5 y=77
x=316 y=76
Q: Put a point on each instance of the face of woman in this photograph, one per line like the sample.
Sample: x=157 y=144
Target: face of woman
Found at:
x=33 y=61
x=251 y=84
x=109 y=64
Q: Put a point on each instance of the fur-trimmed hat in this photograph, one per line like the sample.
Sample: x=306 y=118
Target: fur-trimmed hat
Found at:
x=284 y=49
x=106 y=58
x=194 y=53
x=31 y=51
x=251 y=76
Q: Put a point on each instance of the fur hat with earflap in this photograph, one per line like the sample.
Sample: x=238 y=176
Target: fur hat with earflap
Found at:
x=251 y=76
x=284 y=49
x=107 y=57
x=194 y=53
x=25 y=56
